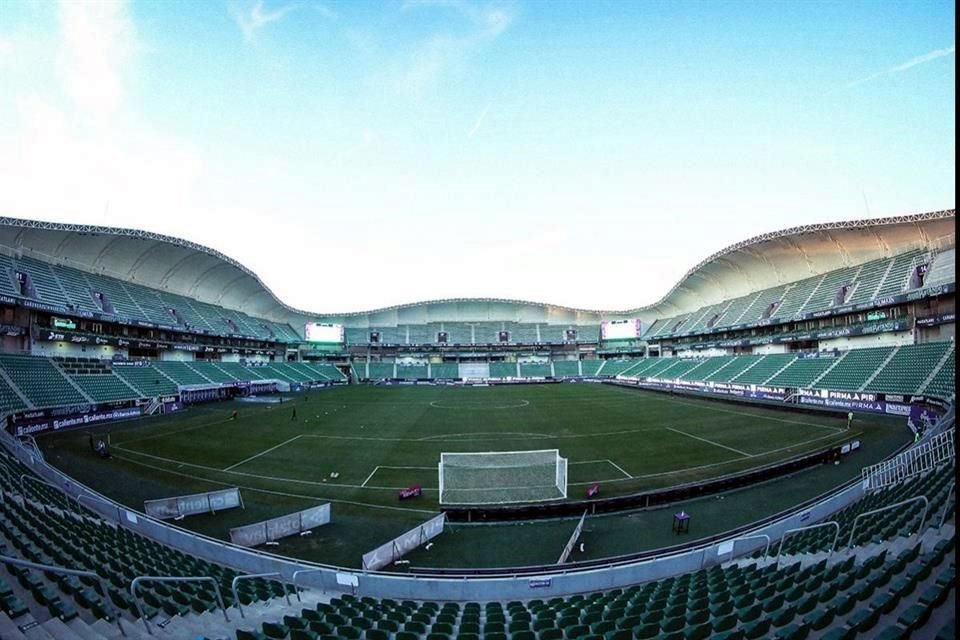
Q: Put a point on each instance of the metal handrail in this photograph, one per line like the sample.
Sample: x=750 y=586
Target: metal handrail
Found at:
x=30 y=476
x=89 y=496
x=946 y=504
x=766 y=549
x=923 y=517
x=251 y=576
x=293 y=579
x=139 y=579
x=808 y=527
x=70 y=572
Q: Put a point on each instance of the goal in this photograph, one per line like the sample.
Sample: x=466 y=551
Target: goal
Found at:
x=501 y=477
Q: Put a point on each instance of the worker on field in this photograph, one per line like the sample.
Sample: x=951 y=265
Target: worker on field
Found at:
x=849 y=418
x=293 y=416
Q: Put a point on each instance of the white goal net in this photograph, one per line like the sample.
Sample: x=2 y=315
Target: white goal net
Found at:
x=502 y=477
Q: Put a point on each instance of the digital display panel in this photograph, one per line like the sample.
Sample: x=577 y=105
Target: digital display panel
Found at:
x=626 y=329
x=323 y=333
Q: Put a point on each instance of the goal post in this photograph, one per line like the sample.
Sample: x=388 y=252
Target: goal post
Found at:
x=502 y=477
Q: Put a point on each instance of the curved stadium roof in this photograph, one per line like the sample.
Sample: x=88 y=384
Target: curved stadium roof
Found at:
x=186 y=268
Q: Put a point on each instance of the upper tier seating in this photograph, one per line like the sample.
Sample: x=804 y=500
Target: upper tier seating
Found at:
x=128 y=301
x=865 y=282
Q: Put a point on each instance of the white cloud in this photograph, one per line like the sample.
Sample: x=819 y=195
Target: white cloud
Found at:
x=434 y=56
x=927 y=57
x=97 y=47
x=479 y=123
x=81 y=150
x=254 y=18
x=909 y=64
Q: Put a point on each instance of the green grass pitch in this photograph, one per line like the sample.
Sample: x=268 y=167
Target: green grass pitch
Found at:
x=381 y=439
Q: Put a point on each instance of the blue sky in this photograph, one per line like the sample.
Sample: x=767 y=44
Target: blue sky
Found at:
x=362 y=154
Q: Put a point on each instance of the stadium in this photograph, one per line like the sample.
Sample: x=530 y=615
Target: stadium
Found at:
x=210 y=432
x=384 y=457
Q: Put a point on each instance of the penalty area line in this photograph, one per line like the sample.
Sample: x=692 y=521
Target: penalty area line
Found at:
x=364 y=483
x=619 y=468
x=262 y=453
x=716 y=444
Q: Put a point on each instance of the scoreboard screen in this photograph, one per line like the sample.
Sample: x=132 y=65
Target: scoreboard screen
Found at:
x=323 y=333
x=626 y=329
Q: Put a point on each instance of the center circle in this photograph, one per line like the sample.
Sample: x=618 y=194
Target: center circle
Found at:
x=477 y=406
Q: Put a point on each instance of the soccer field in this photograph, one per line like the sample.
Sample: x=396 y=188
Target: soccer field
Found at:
x=377 y=440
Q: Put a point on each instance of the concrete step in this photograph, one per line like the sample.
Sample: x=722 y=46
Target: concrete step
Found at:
x=109 y=629
x=56 y=628
x=8 y=628
x=83 y=630
x=35 y=632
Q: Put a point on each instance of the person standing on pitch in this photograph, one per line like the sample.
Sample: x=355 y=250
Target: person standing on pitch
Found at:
x=293 y=416
x=849 y=418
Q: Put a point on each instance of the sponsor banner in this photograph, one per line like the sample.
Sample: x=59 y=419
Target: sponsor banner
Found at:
x=178 y=506
x=12 y=329
x=540 y=583
x=897 y=409
x=392 y=551
x=86 y=419
x=855 y=396
x=933 y=321
x=172 y=406
x=718 y=388
x=839 y=403
x=252 y=535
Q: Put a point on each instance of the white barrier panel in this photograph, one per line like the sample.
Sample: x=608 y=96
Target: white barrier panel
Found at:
x=165 y=508
x=567 y=550
x=404 y=543
x=291 y=524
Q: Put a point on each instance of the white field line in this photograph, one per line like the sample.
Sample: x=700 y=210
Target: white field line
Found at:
x=164 y=433
x=353 y=486
x=270 y=491
x=605 y=460
x=716 y=444
x=757 y=416
x=364 y=483
x=619 y=468
x=262 y=453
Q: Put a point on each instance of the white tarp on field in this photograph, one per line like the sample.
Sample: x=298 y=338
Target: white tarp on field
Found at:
x=291 y=524
x=165 y=508
x=395 y=549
